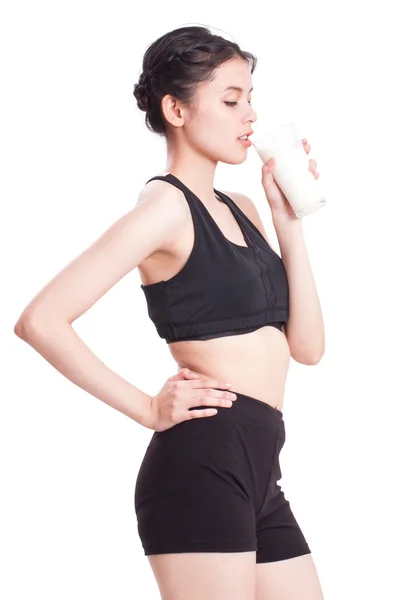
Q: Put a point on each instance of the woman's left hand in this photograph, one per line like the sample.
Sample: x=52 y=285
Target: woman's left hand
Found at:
x=276 y=199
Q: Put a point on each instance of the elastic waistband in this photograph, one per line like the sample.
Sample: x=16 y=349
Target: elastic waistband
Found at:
x=255 y=409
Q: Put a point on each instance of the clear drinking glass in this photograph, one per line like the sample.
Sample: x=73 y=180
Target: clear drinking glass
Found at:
x=292 y=172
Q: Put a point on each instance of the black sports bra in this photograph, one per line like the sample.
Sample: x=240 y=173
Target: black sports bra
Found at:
x=223 y=288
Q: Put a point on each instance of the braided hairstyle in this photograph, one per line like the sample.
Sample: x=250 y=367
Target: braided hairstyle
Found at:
x=176 y=64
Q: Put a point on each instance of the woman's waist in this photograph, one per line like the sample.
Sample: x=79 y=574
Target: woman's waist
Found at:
x=260 y=384
x=258 y=370
x=265 y=348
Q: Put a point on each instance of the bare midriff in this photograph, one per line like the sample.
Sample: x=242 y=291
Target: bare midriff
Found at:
x=256 y=363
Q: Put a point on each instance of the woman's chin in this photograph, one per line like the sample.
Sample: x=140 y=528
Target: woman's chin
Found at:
x=235 y=160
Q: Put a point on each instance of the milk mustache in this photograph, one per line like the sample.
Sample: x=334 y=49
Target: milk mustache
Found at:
x=292 y=173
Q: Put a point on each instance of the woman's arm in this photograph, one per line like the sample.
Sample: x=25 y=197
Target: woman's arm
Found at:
x=61 y=346
x=305 y=327
x=46 y=323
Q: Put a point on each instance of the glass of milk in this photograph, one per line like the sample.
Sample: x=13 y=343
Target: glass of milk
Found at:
x=292 y=173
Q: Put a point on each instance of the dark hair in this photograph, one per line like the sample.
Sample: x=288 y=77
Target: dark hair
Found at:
x=176 y=63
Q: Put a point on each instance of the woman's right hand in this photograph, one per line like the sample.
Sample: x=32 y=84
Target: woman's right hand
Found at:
x=183 y=391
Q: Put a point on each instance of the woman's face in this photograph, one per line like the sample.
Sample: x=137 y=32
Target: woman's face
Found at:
x=221 y=115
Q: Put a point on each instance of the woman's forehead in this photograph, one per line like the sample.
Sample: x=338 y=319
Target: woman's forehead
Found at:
x=233 y=75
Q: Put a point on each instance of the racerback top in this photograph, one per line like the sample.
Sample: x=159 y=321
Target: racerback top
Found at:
x=223 y=288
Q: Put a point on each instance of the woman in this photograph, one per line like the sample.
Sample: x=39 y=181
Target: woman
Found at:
x=211 y=517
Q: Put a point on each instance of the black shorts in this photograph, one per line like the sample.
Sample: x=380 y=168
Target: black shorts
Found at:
x=210 y=485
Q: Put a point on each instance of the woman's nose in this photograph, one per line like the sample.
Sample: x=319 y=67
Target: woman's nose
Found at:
x=253 y=114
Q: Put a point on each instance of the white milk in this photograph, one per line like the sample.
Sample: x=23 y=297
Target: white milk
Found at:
x=291 y=172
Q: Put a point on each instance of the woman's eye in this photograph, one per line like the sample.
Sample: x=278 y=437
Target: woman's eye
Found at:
x=234 y=103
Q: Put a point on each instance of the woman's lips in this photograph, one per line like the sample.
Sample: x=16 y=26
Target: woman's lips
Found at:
x=246 y=143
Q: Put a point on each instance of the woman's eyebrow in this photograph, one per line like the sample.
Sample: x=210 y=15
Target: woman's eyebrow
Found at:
x=238 y=89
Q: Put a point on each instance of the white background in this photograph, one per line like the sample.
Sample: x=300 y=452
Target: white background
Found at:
x=74 y=154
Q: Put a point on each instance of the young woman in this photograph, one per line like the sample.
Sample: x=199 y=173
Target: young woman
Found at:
x=211 y=516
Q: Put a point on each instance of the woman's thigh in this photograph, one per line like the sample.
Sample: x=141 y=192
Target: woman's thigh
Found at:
x=292 y=579
x=210 y=575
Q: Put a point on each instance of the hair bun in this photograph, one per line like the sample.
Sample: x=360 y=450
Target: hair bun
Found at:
x=141 y=93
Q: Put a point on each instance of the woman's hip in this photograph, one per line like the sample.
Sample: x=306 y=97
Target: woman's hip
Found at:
x=234 y=452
